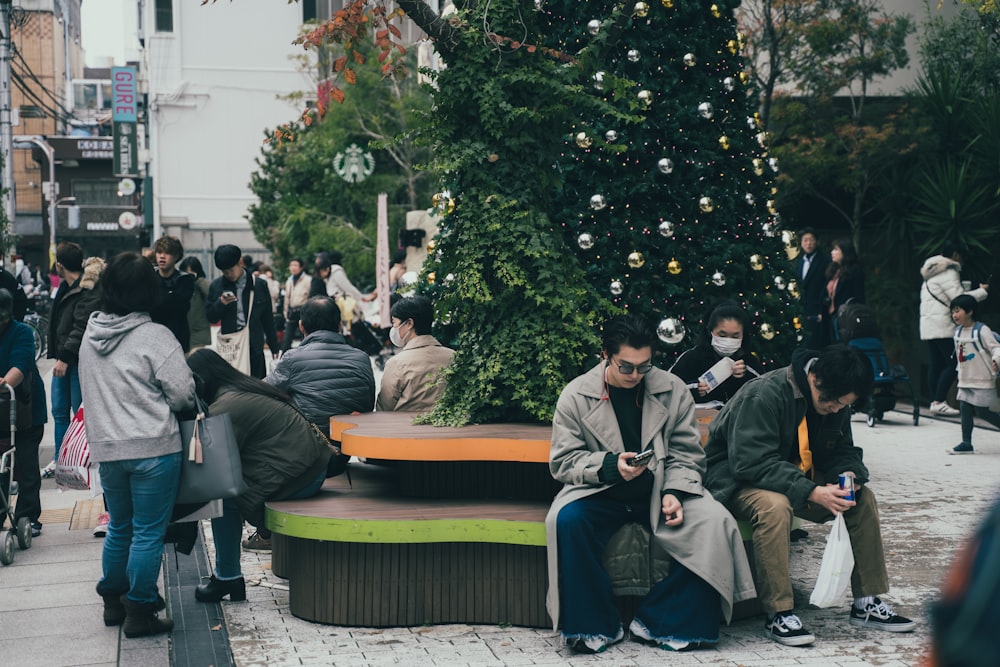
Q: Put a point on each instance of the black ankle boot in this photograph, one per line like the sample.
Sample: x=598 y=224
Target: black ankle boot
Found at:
x=114 y=610
x=141 y=619
x=216 y=589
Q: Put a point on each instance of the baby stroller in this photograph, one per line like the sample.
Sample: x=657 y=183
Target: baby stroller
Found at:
x=856 y=326
x=22 y=530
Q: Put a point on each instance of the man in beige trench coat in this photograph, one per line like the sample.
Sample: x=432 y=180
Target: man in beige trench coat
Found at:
x=604 y=418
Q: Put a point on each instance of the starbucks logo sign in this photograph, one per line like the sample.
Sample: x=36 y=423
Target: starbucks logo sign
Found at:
x=354 y=165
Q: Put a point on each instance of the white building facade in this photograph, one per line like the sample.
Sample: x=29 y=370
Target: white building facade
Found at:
x=213 y=75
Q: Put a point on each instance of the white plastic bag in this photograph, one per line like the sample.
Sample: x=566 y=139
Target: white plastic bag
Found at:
x=835 y=570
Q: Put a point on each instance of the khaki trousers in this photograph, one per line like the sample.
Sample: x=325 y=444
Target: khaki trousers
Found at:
x=771 y=515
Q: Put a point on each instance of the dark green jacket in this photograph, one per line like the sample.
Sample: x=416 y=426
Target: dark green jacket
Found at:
x=280 y=452
x=754 y=441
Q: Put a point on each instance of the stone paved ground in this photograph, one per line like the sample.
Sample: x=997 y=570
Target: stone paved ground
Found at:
x=929 y=501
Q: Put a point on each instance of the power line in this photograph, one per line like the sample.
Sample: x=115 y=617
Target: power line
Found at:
x=68 y=114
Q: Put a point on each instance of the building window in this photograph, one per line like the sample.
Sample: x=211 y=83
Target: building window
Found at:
x=101 y=193
x=32 y=111
x=164 y=16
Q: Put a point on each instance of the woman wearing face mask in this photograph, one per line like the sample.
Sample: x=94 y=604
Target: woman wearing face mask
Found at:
x=410 y=382
x=723 y=336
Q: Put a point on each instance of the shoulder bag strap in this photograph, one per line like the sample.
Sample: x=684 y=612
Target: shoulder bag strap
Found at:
x=934 y=296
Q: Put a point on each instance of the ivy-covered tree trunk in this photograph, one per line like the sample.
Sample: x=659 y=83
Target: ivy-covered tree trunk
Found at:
x=500 y=271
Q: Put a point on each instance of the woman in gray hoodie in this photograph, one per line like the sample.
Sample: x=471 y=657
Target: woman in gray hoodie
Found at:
x=134 y=377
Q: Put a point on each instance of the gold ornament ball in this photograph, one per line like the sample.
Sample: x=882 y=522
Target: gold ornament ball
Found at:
x=706 y=204
x=436 y=200
x=715 y=11
x=731 y=45
x=758 y=166
x=793 y=289
x=669 y=4
x=724 y=142
x=674 y=267
x=636 y=260
x=449 y=206
x=431 y=277
x=431 y=245
x=771 y=207
x=583 y=140
x=797 y=321
x=767 y=332
x=789 y=238
x=756 y=262
x=745 y=78
x=641 y=9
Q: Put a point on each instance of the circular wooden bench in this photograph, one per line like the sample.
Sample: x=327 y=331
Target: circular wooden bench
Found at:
x=359 y=554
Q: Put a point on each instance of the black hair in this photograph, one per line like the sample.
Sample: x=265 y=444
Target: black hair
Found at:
x=323 y=261
x=214 y=374
x=727 y=309
x=227 y=256
x=70 y=255
x=417 y=308
x=399 y=257
x=192 y=265
x=320 y=313
x=849 y=264
x=950 y=248
x=631 y=330
x=129 y=285
x=808 y=230
x=299 y=260
x=841 y=370
x=6 y=302
x=966 y=302
x=335 y=256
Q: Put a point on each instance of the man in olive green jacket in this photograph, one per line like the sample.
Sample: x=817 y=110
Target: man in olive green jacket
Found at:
x=778 y=448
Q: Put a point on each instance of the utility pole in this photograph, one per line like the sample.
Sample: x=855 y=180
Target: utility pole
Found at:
x=6 y=122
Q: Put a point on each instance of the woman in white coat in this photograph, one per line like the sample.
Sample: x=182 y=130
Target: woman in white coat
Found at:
x=605 y=417
x=942 y=283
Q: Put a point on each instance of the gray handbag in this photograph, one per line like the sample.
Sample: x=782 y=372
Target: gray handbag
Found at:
x=210 y=465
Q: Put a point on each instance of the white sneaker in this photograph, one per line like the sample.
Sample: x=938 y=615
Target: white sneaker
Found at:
x=943 y=409
x=49 y=470
x=101 y=529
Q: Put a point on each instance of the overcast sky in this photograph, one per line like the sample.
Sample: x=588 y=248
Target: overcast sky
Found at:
x=106 y=27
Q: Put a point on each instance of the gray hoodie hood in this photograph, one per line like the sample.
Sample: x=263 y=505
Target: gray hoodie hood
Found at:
x=106 y=331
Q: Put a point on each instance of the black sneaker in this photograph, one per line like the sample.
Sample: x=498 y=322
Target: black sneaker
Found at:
x=962 y=448
x=787 y=629
x=880 y=616
x=36 y=529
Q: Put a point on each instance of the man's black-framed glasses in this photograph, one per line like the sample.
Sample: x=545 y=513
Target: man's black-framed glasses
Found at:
x=626 y=368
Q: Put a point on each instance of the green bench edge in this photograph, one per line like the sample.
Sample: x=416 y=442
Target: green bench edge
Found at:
x=375 y=531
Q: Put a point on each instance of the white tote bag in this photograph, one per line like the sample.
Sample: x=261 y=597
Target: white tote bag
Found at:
x=235 y=347
x=835 y=570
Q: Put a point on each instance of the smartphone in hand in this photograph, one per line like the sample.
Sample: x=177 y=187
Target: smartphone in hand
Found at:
x=640 y=459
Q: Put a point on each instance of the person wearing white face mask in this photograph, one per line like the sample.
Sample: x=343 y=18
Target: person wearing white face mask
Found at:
x=724 y=335
x=411 y=381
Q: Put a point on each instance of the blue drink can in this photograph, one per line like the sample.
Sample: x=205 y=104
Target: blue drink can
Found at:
x=847 y=482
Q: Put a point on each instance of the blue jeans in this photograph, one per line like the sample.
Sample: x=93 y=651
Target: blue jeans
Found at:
x=139 y=494
x=66 y=401
x=680 y=607
x=228 y=529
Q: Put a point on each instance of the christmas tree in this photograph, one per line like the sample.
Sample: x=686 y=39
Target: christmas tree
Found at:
x=669 y=203
x=594 y=155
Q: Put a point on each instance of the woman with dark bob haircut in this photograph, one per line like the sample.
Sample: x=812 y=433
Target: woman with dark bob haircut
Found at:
x=283 y=456
x=726 y=334
x=133 y=373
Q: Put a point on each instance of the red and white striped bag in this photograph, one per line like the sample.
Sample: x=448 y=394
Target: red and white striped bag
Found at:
x=74 y=469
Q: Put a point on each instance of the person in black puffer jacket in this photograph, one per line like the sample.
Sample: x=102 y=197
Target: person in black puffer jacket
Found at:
x=324 y=375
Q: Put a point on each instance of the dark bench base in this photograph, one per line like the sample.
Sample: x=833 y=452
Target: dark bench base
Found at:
x=382 y=585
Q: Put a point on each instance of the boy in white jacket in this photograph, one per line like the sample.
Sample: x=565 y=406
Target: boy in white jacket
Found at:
x=977 y=353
